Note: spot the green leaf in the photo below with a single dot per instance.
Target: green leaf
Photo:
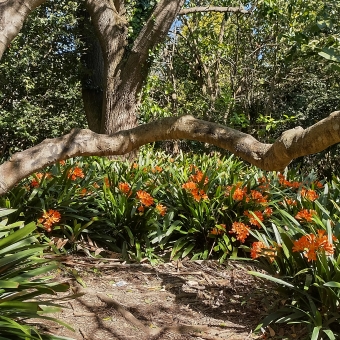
(271, 278)
(315, 334)
(330, 53)
(332, 284)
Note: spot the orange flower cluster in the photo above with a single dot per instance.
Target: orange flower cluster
(157, 169)
(309, 194)
(198, 177)
(312, 244)
(290, 201)
(239, 194)
(75, 173)
(242, 193)
(317, 184)
(241, 230)
(83, 192)
(49, 218)
(252, 219)
(125, 188)
(260, 249)
(283, 181)
(36, 182)
(257, 197)
(161, 209)
(192, 185)
(264, 183)
(306, 215)
(145, 198)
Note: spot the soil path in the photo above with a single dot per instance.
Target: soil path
(178, 301)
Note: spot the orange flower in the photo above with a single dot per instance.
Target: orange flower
(268, 211)
(238, 194)
(252, 219)
(62, 162)
(34, 183)
(145, 198)
(135, 165)
(124, 188)
(290, 201)
(95, 185)
(49, 218)
(241, 230)
(141, 209)
(161, 209)
(256, 249)
(294, 184)
(189, 185)
(199, 194)
(284, 182)
(264, 183)
(319, 185)
(106, 181)
(198, 177)
(309, 194)
(39, 175)
(260, 249)
(83, 192)
(76, 172)
(258, 197)
(218, 231)
(157, 169)
(311, 244)
(306, 215)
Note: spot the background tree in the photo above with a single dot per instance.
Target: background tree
(40, 91)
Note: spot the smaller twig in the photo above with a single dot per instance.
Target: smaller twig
(83, 334)
(83, 314)
(126, 314)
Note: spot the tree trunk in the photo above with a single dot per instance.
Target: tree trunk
(126, 71)
(93, 77)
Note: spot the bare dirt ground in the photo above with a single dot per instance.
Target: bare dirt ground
(178, 301)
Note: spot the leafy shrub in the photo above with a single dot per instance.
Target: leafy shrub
(200, 207)
(21, 282)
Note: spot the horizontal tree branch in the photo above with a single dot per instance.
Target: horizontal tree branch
(291, 144)
(213, 9)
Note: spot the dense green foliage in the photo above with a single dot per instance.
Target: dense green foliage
(24, 281)
(40, 93)
(261, 73)
(210, 207)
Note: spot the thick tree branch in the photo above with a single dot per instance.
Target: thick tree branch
(155, 30)
(213, 9)
(292, 144)
(12, 16)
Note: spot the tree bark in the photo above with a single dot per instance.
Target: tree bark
(126, 71)
(93, 77)
(290, 145)
(12, 17)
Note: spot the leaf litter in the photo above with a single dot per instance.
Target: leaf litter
(188, 300)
